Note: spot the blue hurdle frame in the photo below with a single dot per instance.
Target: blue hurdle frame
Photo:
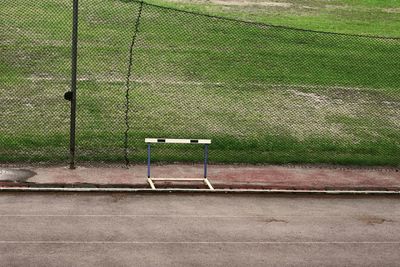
(149, 160)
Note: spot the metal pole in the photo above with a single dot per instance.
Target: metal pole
(74, 60)
(205, 160)
(148, 160)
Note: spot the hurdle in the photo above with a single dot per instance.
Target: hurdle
(205, 142)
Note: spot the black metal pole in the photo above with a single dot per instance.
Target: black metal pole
(74, 60)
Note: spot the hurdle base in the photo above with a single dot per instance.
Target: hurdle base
(204, 180)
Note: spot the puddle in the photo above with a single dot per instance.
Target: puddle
(16, 175)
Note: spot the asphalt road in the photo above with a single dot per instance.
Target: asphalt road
(91, 229)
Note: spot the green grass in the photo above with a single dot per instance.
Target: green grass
(374, 17)
(263, 94)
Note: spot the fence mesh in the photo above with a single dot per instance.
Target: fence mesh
(34, 74)
(262, 93)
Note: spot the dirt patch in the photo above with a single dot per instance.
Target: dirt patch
(49, 77)
(392, 10)
(310, 96)
(251, 3)
(273, 220)
(240, 3)
(116, 197)
(374, 220)
(337, 7)
(310, 7)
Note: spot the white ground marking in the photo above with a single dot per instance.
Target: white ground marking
(199, 242)
(194, 216)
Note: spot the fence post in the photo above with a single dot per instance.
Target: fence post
(74, 54)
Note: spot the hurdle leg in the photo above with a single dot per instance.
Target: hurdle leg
(148, 160)
(205, 160)
(151, 183)
(207, 182)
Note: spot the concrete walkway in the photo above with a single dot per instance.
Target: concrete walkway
(221, 176)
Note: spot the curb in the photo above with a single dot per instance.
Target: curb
(182, 190)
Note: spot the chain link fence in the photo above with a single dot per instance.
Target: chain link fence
(264, 94)
(34, 74)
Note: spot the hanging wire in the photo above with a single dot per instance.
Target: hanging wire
(128, 87)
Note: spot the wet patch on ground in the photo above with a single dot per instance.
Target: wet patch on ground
(273, 220)
(374, 220)
(16, 175)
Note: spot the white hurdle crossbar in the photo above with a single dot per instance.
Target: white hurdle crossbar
(204, 142)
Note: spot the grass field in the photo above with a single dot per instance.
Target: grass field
(263, 94)
(374, 17)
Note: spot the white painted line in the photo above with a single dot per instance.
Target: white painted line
(177, 141)
(177, 179)
(276, 216)
(202, 242)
